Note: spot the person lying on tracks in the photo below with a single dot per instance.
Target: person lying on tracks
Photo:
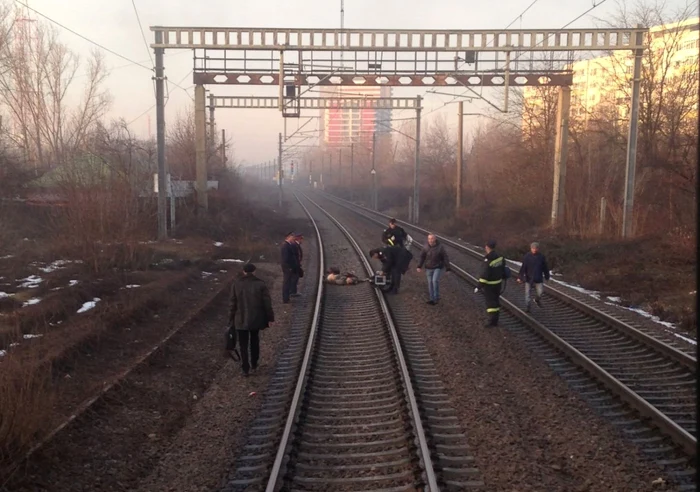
(335, 277)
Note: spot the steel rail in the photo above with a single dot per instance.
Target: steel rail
(405, 375)
(301, 382)
(679, 435)
(683, 358)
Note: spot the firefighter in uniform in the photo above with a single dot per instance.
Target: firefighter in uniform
(394, 235)
(490, 282)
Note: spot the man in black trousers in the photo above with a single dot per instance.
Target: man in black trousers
(251, 311)
(289, 260)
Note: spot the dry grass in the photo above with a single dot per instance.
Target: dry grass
(26, 404)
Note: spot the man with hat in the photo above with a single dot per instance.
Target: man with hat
(290, 265)
(490, 280)
(251, 311)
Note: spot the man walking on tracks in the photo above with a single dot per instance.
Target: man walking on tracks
(290, 265)
(534, 271)
(435, 259)
(298, 238)
(251, 311)
(490, 280)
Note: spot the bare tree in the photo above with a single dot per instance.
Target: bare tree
(40, 92)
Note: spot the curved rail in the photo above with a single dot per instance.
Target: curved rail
(678, 433)
(276, 475)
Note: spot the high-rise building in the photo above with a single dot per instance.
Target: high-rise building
(605, 81)
(343, 126)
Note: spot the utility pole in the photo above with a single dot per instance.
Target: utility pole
(460, 154)
(160, 140)
(352, 161)
(200, 123)
(560, 154)
(630, 171)
(340, 167)
(212, 123)
(416, 169)
(374, 172)
(223, 146)
(279, 170)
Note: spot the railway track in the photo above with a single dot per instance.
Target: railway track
(354, 420)
(654, 376)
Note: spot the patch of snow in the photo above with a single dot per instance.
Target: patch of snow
(218, 244)
(3, 353)
(515, 262)
(56, 323)
(31, 282)
(147, 242)
(232, 260)
(262, 257)
(56, 265)
(4, 295)
(590, 293)
(73, 283)
(206, 274)
(614, 299)
(31, 302)
(15, 344)
(29, 336)
(223, 271)
(692, 293)
(89, 305)
(131, 286)
(6, 257)
(689, 340)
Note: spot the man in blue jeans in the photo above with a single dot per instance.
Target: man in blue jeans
(435, 259)
(533, 272)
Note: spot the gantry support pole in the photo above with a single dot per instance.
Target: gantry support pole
(374, 172)
(416, 169)
(460, 155)
(279, 170)
(352, 163)
(200, 124)
(160, 140)
(560, 154)
(212, 121)
(630, 171)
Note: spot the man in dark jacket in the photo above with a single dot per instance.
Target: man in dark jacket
(534, 271)
(490, 281)
(393, 260)
(290, 265)
(435, 259)
(394, 235)
(298, 238)
(251, 311)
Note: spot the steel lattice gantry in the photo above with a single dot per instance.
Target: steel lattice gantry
(292, 59)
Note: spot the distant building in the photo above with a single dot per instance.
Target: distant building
(343, 126)
(597, 81)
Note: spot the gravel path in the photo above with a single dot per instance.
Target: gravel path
(527, 429)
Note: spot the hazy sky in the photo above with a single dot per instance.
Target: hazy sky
(113, 24)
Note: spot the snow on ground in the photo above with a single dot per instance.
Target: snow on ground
(29, 336)
(206, 274)
(3, 353)
(131, 286)
(15, 344)
(31, 282)
(615, 301)
(31, 302)
(4, 295)
(218, 244)
(87, 306)
(590, 293)
(6, 257)
(73, 283)
(232, 260)
(56, 265)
